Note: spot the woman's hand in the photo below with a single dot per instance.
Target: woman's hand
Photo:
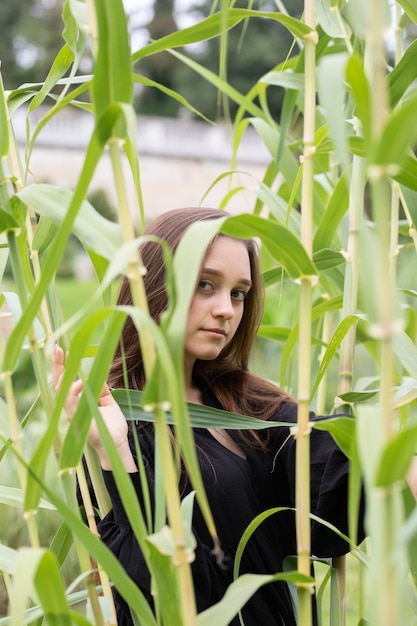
(110, 412)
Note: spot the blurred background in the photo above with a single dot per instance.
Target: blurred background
(181, 154)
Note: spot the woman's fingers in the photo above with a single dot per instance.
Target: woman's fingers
(109, 409)
(58, 365)
(73, 397)
(106, 399)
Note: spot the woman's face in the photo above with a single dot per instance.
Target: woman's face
(217, 307)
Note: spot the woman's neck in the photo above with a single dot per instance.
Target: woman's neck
(193, 394)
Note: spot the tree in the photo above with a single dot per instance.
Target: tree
(254, 48)
(161, 68)
(31, 37)
(269, 43)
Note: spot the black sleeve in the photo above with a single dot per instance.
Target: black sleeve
(329, 481)
(116, 532)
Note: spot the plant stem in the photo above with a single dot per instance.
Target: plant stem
(325, 337)
(304, 368)
(82, 553)
(350, 294)
(350, 297)
(180, 558)
(135, 267)
(85, 494)
(383, 569)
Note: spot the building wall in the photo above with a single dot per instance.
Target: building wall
(180, 160)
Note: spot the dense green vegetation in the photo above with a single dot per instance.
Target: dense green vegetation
(336, 217)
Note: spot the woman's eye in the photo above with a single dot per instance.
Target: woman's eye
(239, 294)
(204, 285)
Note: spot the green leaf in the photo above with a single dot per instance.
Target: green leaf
(398, 135)
(342, 429)
(409, 199)
(77, 433)
(410, 8)
(406, 352)
(285, 78)
(361, 91)
(74, 15)
(4, 122)
(60, 66)
(332, 21)
(357, 396)
(62, 542)
(8, 223)
(396, 457)
(8, 557)
(240, 591)
(332, 93)
(338, 336)
(201, 416)
(214, 25)
(283, 246)
(102, 133)
(169, 599)
(129, 591)
(15, 308)
(112, 74)
(279, 208)
(360, 17)
(407, 175)
(278, 333)
(77, 352)
(12, 496)
(78, 9)
(44, 234)
(403, 74)
(335, 210)
(326, 259)
(23, 589)
(94, 231)
(143, 80)
(288, 165)
(51, 592)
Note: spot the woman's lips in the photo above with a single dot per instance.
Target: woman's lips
(215, 332)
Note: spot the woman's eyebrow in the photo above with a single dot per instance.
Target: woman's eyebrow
(209, 270)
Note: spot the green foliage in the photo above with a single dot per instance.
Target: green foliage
(341, 304)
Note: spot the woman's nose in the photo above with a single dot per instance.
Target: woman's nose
(223, 307)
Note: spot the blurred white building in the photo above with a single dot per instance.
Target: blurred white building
(180, 160)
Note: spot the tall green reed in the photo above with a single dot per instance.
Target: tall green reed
(359, 138)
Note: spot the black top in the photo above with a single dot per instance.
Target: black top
(238, 490)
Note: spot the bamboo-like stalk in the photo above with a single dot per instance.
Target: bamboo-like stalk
(325, 337)
(134, 270)
(381, 212)
(389, 594)
(169, 474)
(350, 297)
(180, 558)
(395, 191)
(85, 494)
(304, 368)
(83, 555)
(350, 294)
(15, 428)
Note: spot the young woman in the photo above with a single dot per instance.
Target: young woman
(245, 473)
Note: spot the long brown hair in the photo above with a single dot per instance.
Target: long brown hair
(227, 376)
